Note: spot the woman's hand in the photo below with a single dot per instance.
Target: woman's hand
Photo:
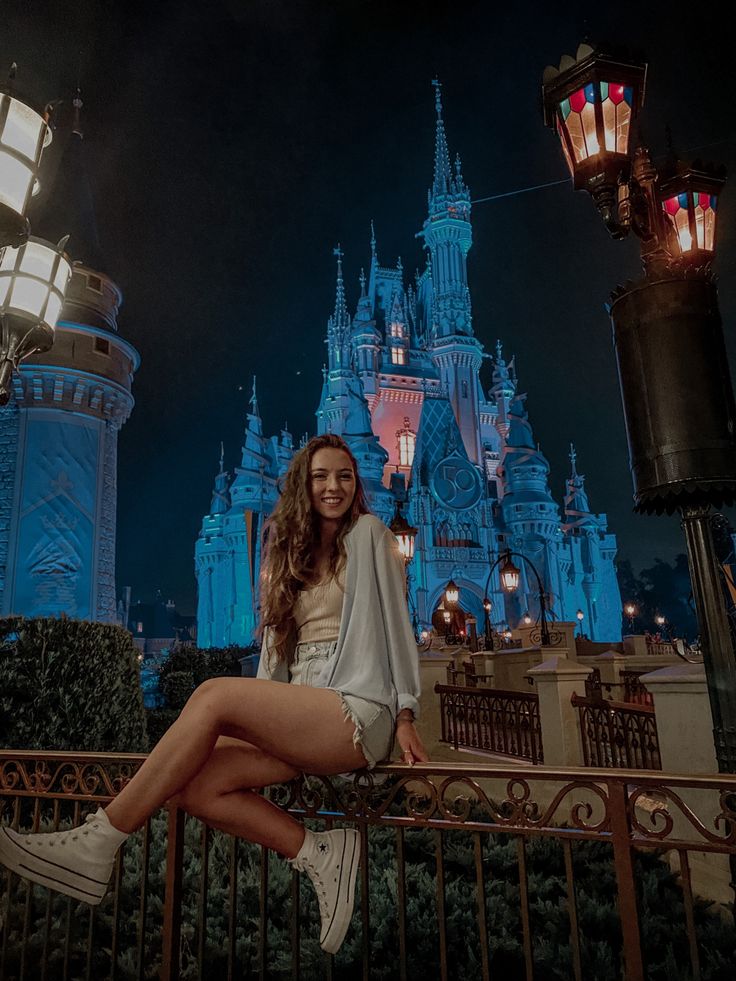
(412, 747)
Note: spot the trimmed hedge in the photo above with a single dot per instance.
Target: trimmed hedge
(70, 685)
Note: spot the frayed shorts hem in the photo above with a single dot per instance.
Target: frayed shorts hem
(374, 727)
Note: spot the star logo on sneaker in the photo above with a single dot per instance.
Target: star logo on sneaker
(323, 846)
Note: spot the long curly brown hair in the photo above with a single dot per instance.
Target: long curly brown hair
(291, 535)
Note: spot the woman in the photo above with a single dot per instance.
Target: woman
(338, 678)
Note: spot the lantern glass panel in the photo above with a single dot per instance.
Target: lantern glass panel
(705, 221)
(22, 129)
(53, 309)
(37, 260)
(63, 273)
(15, 179)
(4, 286)
(7, 259)
(28, 296)
(510, 576)
(563, 141)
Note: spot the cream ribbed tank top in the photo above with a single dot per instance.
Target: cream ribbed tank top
(317, 612)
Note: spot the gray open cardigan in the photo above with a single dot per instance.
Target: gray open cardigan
(376, 655)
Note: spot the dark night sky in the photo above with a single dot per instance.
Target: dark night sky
(232, 145)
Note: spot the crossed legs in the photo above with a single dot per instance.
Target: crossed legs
(233, 736)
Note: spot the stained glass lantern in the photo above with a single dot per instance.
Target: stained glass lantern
(452, 593)
(510, 576)
(24, 133)
(689, 201)
(404, 533)
(591, 102)
(33, 281)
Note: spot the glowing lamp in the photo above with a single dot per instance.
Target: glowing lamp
(510, 576)
(527, 619)
(447, 616)
(660, 620)
(580, 615)
(404, 533)
(33, 281)
(487, 605)
(23, 135)
(452, 593)
(507, 634)
(689, 201)
(591, 102)
(630, 610)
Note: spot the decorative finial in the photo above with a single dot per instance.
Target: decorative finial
(573, 458)
(373, 241)
(253, 399)
(499, 351)
(324, 372)
(222, 456)
(399, 264)
(361, 280)
(11, 77)
(437, 96)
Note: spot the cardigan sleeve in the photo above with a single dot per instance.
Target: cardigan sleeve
(402, 648)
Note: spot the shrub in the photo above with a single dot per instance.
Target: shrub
(69, 685)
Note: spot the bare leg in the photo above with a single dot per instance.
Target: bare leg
(301, 726)
(223, 795)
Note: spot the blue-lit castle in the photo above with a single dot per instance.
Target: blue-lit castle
(402, 386)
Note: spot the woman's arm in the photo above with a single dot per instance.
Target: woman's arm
(402, 648)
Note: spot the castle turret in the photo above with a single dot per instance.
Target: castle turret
(448, 235)
(212, 564)
(366, 346)
(59, 433)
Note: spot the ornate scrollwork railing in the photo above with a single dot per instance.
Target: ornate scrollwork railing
(617, 734)
(138, 929)
(492, 721)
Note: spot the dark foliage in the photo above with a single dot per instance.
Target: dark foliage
(69, 685)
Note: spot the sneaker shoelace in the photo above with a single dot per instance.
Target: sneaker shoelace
(51, 837)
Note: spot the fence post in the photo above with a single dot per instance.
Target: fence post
(172, 896)
(555, 681)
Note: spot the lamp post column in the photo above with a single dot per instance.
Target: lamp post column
(715, 635)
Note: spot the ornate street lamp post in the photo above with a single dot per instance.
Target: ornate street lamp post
(510, 578)
(666, 330)
(33, 274)
(581, 616)
(487, 636)
(630, 611)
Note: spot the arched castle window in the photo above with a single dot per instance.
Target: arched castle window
(398, 355)
(407, 441)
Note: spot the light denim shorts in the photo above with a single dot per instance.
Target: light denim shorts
(374, 724)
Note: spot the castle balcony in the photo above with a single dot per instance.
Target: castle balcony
(466, 871)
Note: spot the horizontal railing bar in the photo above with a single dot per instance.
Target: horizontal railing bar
(608, 705)
(524, 770)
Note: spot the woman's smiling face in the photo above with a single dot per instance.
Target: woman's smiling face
(332, 483)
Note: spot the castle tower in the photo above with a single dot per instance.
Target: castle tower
(367, 346)
(59, 433)
(212, 564)
(448, 235)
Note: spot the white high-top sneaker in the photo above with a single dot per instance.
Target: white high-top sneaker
(78, 862)
(331, 859)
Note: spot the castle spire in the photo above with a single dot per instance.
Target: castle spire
(361, 280)
(220, 496)
(442, 169)
(577, 509)
(374, 254)
(341, 308)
